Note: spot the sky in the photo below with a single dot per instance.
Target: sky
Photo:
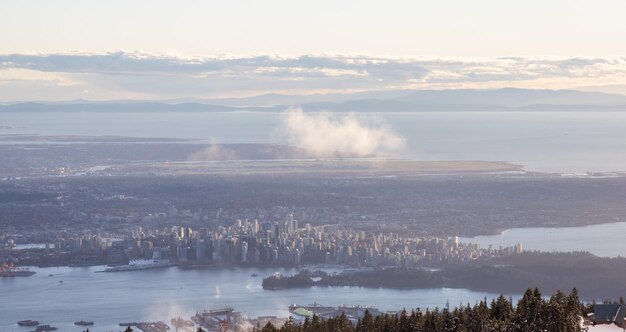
(154, 49)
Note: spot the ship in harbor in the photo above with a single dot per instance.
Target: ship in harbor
(28, 322)
(83, 323)
(45, 328)
(10, 271)
(140, 265)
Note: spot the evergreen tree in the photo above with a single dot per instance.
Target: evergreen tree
(366, 324)
(404, 323)
(560, 313)
(289, 326)
(269, 328)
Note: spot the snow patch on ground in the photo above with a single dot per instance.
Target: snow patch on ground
(604, 328)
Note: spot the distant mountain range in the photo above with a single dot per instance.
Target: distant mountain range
(508, 99)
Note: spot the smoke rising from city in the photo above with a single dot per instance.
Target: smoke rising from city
(214, 152)
(324, 132)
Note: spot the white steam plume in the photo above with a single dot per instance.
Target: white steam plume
(322, 132)
(214, 152)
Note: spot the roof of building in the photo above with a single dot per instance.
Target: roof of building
(303, 312)
(609, 312)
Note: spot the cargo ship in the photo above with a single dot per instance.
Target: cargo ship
(83, 323)
(28, 322)
(140, 265)
(44, 328)
(10, 271)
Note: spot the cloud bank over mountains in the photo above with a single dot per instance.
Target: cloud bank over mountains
(136, 75)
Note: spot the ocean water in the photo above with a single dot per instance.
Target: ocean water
(558, 142)
(604, 240)
(162, 294)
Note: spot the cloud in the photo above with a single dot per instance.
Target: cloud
(323, 132)
(214, 152)
(121, 74)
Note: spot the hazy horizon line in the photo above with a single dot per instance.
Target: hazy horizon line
(138, 75)
(191, 99)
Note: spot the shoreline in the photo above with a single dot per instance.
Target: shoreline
(477, 239)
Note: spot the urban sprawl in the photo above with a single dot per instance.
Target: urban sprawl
(254, 243)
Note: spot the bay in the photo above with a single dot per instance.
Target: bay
(161, 294)
(604, 240)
